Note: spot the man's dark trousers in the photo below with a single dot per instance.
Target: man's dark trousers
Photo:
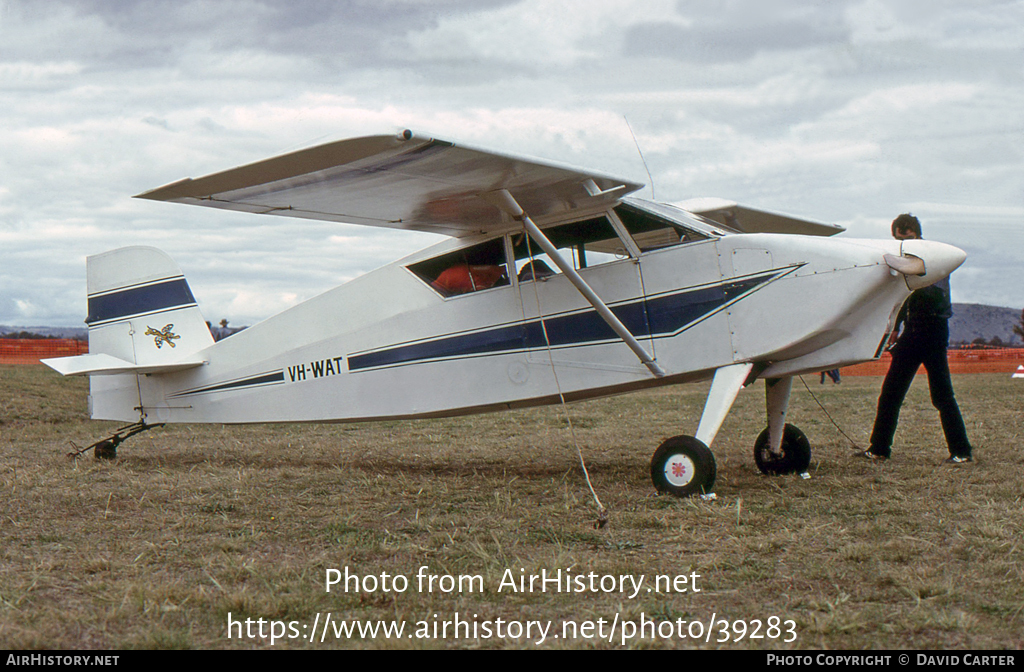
(925, 346)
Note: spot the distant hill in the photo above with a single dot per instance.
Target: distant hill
(971, 321)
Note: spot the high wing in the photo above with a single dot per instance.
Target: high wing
(750, 220)
(402, 182)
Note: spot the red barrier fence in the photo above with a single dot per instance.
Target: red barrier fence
(968, 360)
(31, 350)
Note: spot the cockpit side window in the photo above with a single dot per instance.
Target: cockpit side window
(651, 232)
(464, 271)
(587, 243)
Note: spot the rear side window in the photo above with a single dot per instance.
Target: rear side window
(465, 271)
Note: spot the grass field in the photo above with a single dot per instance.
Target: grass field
(193, 523)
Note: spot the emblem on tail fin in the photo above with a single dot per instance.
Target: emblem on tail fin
(165, 335)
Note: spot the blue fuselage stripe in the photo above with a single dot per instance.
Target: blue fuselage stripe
(658, 316)
(271, 378)
(138, 300)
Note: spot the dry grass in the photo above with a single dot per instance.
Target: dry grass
(153, 550)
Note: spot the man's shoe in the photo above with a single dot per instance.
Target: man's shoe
(958, 459)
(874, 457)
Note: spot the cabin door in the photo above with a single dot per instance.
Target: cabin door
(577, 336)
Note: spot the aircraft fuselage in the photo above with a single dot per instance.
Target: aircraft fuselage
(388, 344)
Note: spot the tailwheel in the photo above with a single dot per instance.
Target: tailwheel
(794, 456)
(106, 450)
(683, 466)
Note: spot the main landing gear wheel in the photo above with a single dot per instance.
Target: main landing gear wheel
(795, 457)
(683, 466)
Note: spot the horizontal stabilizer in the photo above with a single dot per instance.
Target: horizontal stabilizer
(108, 365)
(750, 220)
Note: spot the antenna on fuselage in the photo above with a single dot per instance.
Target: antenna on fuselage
(640, 151)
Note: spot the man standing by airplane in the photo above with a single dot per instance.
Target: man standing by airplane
(925, 319)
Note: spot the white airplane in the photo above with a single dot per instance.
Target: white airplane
(554, 284)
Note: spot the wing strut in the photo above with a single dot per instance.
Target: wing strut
(507, 203)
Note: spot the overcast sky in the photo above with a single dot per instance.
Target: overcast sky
(843, 112)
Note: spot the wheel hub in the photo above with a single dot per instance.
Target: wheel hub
(679, 470)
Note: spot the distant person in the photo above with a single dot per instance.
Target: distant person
(833, 374)
(925, 320)
(223, 331)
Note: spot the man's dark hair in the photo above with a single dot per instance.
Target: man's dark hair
(906, 221)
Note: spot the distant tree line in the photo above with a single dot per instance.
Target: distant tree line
(995, 341)
(26, 335)
(29, 335)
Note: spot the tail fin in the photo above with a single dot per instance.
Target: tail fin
(142, 316)
(141, 308)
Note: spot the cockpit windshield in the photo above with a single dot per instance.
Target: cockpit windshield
(651, 231)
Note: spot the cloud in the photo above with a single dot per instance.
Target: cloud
(717, 32)
(846, 112)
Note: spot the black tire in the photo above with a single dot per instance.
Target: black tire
(796, 453)
(683, 466)
(105, 450)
